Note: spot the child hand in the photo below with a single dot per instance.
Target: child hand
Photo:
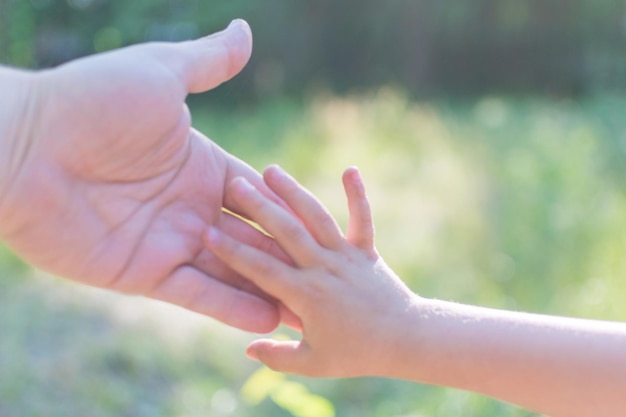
(359, 319)
(351, 305)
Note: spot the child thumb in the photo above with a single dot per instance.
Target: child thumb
(280, 356)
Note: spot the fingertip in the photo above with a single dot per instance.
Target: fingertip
(273, 177)
(209, 61)
(243, 27)
(274, 174)
(260, 326)
(257, 349)
(351, 170)
(360, 227)
(276, 178)
(263, 324)
(281, 356)
(353, 184)
(241, 187)
(251, 352)
(270, 169)
(352, 175)
(194, 290)
(253, 314)
(240, 41)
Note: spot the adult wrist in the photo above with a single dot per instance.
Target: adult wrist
(19, 125)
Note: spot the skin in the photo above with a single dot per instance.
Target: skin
(358, 318)
(103, 179)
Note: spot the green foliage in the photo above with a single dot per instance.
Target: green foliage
(564, 47)
(289, 395)
(505, 203)
(11, 268)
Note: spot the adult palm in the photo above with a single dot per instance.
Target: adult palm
(113, 187)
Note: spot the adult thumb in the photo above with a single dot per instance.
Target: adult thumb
(288, 356)
(205, 63)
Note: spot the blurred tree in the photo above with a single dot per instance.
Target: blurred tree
(567, 47)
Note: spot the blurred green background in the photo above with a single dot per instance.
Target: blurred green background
(492, 138)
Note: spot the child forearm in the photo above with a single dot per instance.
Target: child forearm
(559, 366)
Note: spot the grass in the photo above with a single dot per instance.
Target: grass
(510, 203)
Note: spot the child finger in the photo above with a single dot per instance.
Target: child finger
(360, 225)
(306, 206)
(290, 234)
(268, 273)
(238, 168)
(284, 356)
(235, 226)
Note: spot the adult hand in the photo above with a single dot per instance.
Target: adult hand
(108, 183)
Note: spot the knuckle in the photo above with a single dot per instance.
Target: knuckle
(317, 289)
(267, 269)
(296, 231)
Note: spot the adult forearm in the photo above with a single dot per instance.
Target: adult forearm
(558, 366)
